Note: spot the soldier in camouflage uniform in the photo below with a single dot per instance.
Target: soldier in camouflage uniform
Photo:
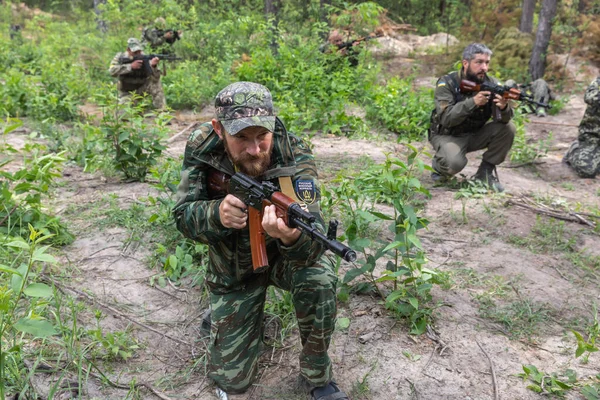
(159, 39)
(584, 153)
(461, 122)
(540, 91)
(246, 136)
(133, 78)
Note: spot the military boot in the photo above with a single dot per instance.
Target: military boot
(205, 324)
(540, 112)
(487, 174)
(436, 176)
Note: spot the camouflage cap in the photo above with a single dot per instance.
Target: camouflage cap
(244, 104)
(134, 45)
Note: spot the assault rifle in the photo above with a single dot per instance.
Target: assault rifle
(506, 92)
(146, 60)
(258, 195)
(350, 43)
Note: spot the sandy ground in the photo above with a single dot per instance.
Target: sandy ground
(467, 356)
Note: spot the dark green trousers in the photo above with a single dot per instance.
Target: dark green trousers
(451, 151)
(237, 319)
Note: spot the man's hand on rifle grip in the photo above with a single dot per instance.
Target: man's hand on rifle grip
(232, 212)
(501, 102)
(137, 64)
(276, 227)
(481, 98)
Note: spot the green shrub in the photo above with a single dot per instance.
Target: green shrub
(311, 90)
(403, 109)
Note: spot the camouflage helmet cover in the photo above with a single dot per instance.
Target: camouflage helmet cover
(160, 23)
(244, 104)
(134, 45)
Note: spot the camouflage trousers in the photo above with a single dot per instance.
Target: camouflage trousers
(153, 88)
(541, 94)
(584, 155)
(451, 151)
(237, 324)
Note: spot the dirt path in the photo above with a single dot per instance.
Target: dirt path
(489, 253)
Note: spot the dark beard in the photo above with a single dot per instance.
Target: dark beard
(472, 77)
(253, 166)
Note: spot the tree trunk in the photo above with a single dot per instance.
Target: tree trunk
(324, 17)
(537, 63)
(323, 10)
(527, 16)
(271, 13)
(101, 24)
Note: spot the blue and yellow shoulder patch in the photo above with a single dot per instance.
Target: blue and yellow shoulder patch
(441, 84)
(305, 190)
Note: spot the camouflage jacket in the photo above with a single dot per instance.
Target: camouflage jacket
(590, 123)
(197, 215)
(456, 112)
(129, 79)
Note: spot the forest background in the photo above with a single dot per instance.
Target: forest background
(64, 334)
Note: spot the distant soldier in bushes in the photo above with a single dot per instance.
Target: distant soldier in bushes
(336, 40)
(466, 122)
(135, 78)
(159, 39)
(541, 93)
(584, 154)
(15, 33)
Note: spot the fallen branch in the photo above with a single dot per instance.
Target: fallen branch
(553, 123)
(414, 394)
(522, 164)
(435, 239)
(554, 214)
(111, 309)
(494, 382)
(8, 215)
(104, 378)
(172, 138)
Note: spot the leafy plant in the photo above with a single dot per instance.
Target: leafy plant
(402, 108)
(21, 312)
(588, 346)
(312, 90)
(117, 345)
(522, 151)
(551, 384)
(135, 142)
(391, 183)
(21, 192)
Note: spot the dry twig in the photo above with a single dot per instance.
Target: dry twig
(111, 309)
(554, 213)
(494, 382)
(190, 126)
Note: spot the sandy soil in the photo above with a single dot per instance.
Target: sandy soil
(452, 362)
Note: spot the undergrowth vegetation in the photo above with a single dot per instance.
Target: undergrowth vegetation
(59, 63)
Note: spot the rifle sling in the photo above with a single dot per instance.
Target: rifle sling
(285, 183)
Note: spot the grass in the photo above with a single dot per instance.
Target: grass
(499, 300)
(547, 235)
(520, 319)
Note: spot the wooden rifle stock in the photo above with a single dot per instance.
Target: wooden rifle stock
(258, 246)
(257, 196)
(506, 92)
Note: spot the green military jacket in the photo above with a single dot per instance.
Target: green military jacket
(197, 214)
(590, 123)
(130, 79)
(456, 112)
